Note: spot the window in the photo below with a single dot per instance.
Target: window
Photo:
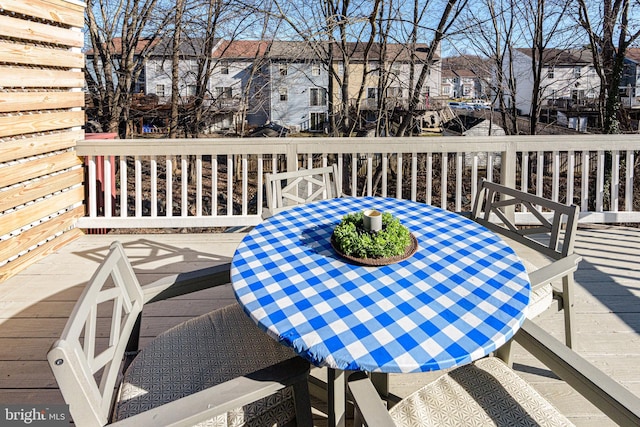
(191, 90)
(550, 73)
(159, 67)
(317, 96)
(372, 93)
(160, 90)
(284, 94)
(315, 70)
(395, 69)
(283, 69)
(394, 92)
(224, 67)
(224, 92)
(316, 121)
(577, 72)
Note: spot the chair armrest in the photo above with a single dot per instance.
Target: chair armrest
(368, 404)
(618, 403)
(221, 398)
(555, 270)
(184, 283)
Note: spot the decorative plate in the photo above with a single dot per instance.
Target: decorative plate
(409, 251)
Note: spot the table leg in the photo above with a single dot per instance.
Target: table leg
(381, 383)
(336, 397)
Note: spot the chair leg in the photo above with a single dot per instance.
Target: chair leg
(302, 403)
(567, 306)
(504, 353)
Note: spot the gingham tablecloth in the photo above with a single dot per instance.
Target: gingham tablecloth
(460, 296)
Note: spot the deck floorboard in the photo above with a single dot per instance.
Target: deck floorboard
(35, 304)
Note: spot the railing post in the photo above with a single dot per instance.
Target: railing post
(508, 174)
(292, 157)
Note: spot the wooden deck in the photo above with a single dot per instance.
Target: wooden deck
(34, 307)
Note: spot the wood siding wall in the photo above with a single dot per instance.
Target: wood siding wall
(41, 118)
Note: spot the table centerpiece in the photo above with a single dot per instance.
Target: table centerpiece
(362, 238)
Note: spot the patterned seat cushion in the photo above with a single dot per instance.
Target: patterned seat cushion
(200, 353)
(484, 393)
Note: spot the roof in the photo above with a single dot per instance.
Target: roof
(240, 49)
(559, 57)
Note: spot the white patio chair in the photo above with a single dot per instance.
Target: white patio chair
(286, 189)
(218, 366)
(547, 252)
(489, 393)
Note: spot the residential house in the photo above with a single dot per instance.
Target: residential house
(466, 77)
(569, 81)
(237, 84)
(382, 79)
(298, 81)
(630, 82)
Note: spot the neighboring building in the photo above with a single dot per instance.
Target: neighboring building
(253, 83)
(465, 77)
(630, 83)
(237, 84)
(298, 82)
(569, 80)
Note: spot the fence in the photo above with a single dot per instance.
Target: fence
(219, 182)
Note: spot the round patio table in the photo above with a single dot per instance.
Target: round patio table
(462, 295)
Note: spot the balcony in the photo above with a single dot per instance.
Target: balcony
(64, 199)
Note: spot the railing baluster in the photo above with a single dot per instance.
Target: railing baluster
(459, 167)
(260, 184)
(124, 206)
(198, 185)
(385, 177)
(399, 177)
(108, 208)
(184, 182)
(600, 182)
(369, 174)
(555, 166)
(540, 174)
(628, 188)
(571, 164)
(354, 174)
(214, 185)
(429, 185)
(245, 184)
(92, 183)
(230, 185)
(584, 203)
(169, 185)
(615, 180)
(414, 176)
(443, 180)
(154, 187)
(138, 185)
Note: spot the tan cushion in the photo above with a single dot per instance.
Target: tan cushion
(201, 353)
(485, 393)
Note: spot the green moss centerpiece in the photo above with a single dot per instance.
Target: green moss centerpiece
(353, 241)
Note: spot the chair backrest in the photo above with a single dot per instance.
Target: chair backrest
(287, 189)
(490, 209)
(86, 359)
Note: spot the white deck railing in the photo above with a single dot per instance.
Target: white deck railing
(596, 172)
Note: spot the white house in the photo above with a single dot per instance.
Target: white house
(568, 79)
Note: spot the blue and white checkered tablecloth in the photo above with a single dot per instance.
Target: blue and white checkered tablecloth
(460, 296)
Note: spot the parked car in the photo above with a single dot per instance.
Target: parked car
(460, 106)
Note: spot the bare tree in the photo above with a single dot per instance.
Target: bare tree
(175, 68)
(610, 30)
(447, 17)
(543, 20)
(121, 36)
